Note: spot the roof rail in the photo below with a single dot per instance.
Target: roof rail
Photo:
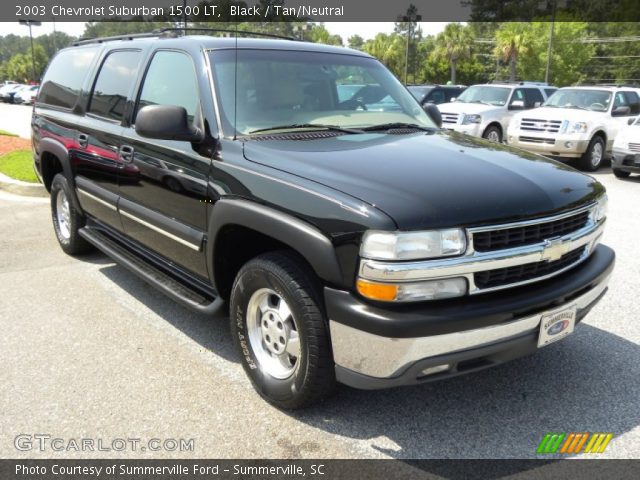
(223, 30)
(520, 82)
(173, 32)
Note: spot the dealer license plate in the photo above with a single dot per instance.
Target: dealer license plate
(556, 325)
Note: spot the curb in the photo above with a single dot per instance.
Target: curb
(18, 187)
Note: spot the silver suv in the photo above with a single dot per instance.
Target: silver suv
(486, 110)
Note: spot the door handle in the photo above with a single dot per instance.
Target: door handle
(126, 153)
(83, 140)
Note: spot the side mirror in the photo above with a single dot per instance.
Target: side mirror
(453, 99)
(434, 113)
(537, 104)
(167, 122)
(631, 121)
(621, 111)
(516, 105)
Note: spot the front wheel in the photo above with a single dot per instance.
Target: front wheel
(493, 134)
(592, 158)
(280, 331)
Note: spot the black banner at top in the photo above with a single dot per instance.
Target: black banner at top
(321, 10)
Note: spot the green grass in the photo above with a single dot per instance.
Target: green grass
(8, 134)
(18, 165)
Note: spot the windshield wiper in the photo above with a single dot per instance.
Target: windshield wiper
(390, 126)
(296, 126)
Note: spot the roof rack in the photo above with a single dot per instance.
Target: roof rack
(520, 82)
(172, 32)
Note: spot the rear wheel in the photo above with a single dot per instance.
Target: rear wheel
(620, 173)
(493, 134)
(280, 331)
(66, 219)
(592, 158)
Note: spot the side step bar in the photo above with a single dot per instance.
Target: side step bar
(157, 278)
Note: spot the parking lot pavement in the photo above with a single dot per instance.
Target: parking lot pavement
(16, 119)
(88, 350)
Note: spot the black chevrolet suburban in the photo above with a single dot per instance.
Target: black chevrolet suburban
(353, 245)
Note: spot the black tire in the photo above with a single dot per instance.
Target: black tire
(621, 173)
(67, 233)
(491, 133)
(588, 162)
(313, 377)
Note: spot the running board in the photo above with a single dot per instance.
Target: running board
(152, 275)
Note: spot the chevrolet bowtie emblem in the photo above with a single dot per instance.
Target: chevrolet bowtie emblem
(554, 249)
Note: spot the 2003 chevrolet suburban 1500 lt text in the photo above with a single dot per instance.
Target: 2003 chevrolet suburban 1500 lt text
(366, 247)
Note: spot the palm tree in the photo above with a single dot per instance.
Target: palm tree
(453, 44)
(388, 49)
(512, 41)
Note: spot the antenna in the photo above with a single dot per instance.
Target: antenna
(235, 90)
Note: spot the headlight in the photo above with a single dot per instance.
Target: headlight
(600, 211)
(576, 127)
(379, 245)
(469, 119)
(414, 291)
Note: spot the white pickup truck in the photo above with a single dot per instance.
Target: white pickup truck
(486, 110)
(576, 123)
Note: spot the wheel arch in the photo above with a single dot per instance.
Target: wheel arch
(54, 159)
(239, 230)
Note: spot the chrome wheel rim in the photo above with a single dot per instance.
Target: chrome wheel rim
(596, 154)
(493, 136)
(63, 215)
(273, 333)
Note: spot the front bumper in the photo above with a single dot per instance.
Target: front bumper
(378, 347)
(473, 129)
(625, 160)
(565, 146)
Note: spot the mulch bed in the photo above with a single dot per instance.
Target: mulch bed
(9, 144)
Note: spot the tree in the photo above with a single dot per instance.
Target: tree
(389, 49)
(453, 44)
(355, 41)
(513, 39)
(319, 34)
(20, 67)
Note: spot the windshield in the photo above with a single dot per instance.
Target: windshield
(580, 98)
(277, 88)
(485, 94)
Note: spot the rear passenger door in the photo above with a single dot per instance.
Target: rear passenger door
(164, 209)
(98, 161)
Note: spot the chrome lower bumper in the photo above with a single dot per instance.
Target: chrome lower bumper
(384, 357)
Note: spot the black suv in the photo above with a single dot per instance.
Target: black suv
(360, 246)
(436, 94)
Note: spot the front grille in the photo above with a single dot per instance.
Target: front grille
(634, 147)
(548, 141)
(523, 273)
(449, 117)
(529, 234)
(540, 125)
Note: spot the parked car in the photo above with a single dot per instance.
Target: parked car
(365, 247)
(436, 94)
(576, 123)
(626, 150)
(26, 95)
(8, 91)
(486, 110)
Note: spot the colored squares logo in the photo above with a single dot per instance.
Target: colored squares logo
(574, 443)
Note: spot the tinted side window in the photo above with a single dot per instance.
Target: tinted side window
(549, 91)
(64, 77)
(633, 101)
(171, 80)
(531, 96)
(436, 96)
(115, 79)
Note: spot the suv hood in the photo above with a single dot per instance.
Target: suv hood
(432, 180)
(469, 108)
(570, 114)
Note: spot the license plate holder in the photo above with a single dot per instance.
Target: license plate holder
(556, 325)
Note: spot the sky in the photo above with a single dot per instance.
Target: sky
(366, 30)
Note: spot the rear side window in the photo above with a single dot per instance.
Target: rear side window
(64, 78)
(531, 96)
(115, 79)
(171, 80)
